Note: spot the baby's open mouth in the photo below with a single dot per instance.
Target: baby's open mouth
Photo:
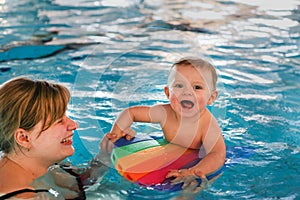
(187, 104)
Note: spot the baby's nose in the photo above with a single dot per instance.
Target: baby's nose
(187, 91)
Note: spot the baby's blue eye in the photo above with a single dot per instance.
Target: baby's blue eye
(178, 85)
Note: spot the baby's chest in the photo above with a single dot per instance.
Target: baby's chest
(189, 137)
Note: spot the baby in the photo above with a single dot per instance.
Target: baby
(185, 120)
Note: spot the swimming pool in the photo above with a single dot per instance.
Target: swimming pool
(117, 54)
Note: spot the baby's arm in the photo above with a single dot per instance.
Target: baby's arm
(124, 121)
(213, 161)
(215, 149)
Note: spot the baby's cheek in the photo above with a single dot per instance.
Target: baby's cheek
(174, 102)
(201, 103)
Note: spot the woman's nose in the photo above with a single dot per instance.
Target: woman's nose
(72, 125)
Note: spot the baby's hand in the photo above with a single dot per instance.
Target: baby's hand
(188, 178)
(128, 133)
(108, 141)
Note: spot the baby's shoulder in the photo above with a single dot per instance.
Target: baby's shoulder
(168, 110)
(208, 122)
(161, 112)
(208, 114)
(161, 108)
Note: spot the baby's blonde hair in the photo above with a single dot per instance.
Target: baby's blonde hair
(24, 103)
(201, 64)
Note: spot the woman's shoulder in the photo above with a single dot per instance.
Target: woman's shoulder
(28, 194)
(11, 178)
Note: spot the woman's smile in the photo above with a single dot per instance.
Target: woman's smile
(68, 140)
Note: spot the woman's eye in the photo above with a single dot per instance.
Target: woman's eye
(59, 121)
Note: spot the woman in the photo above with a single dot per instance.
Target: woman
(35, 133)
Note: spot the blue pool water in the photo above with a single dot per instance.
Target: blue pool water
(113, 54)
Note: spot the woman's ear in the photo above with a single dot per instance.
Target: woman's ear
(22, 138)
(213, 97)
(167, 91)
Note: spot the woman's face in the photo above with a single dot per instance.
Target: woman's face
(55, 143)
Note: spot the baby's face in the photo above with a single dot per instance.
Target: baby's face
(190, 90)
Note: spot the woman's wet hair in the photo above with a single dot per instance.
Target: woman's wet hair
(24, 103)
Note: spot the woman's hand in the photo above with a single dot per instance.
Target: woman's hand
(107, 142)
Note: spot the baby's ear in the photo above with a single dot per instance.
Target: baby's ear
(213, 97)
(167, 91)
